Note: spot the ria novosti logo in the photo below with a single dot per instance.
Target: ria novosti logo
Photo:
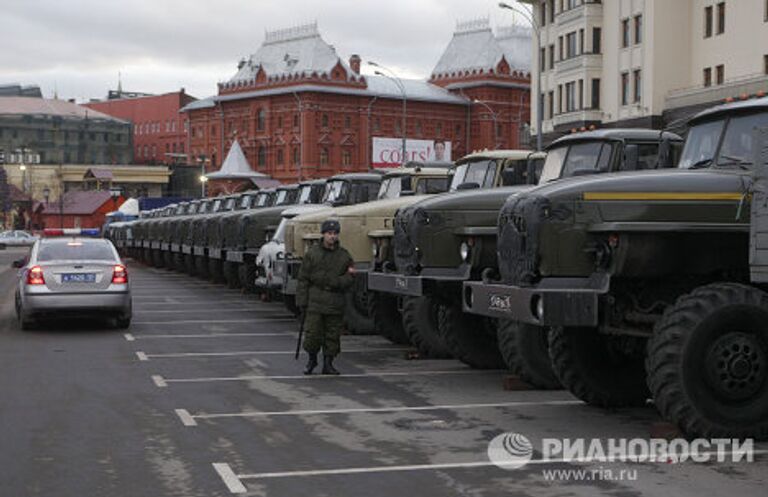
(510, 451)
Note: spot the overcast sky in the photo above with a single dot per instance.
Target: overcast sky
(78, 46)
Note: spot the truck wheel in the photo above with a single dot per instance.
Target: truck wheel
(201, 267)
(420, 323)
(470, 339)
(357, 322)
(230, 274)
(290, 303)
(169, 259)
(157, 259)
(178, 262)
(189, 264)
(215, 270)
(386, 317)
(246, 272)
(708, 362)
(525, 349)
(601, 370)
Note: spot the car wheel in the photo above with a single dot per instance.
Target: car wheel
(601, 370)
(419, 321)
(707, 362)
(525, 350)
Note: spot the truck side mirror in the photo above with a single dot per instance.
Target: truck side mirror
(470, 185)
(665, 154)
(631, 157)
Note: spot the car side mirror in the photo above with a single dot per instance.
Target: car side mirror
(631, 157)
(470, 185)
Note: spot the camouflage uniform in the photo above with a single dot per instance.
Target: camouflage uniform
(323, 281)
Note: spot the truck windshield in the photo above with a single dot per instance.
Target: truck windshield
(391, 187)
(701, 144)
(432, 185)
(567, 161)
(230, 204)
(305, 195)
(553, 164)
(262, 200)
(737, 148)
(334, 191)
(245, 202)
(282, 195)
(481, 172)
(216, 206)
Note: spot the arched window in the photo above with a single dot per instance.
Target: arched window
(324, 157)
(262, 156)
(260, 118)
(280, 159)
(346, 158)
(296, 156)
(325, 121)
(347, 122)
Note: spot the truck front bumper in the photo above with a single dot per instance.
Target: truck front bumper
(551, 302)
(416, 286)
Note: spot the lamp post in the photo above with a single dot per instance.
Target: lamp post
(203, 178)
(399, 83)
(495, 122)
(46, 196)
(539, 101)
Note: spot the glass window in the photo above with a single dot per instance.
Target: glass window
(390, 188)
(624, 88)
(334, 190)
(720, 74)
(647, 156)
(67, 250)
(638, 29)
(305, 194)
(737, 143)
(282, 195)
(582, 157)
(707, 21)
(432, 185)
(721, 18)
(245, 201)
(553, 164)
(700, 144)
(638, 84)
(480, 172)
(625, 33)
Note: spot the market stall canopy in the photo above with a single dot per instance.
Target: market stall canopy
(130, 207)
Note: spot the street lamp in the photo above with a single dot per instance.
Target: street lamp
(399, 83)
(203, 181)
(495, 122)
(539, 101)
(201, 159)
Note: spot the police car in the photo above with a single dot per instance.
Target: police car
(72, 273)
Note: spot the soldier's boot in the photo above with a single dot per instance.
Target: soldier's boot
(328, 366)
(311, 363)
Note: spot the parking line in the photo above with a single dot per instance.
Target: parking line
(357, 410)
(213, 335)
(218, 321)
(229, 477)
(129, 337)
(142, 356)
(317, 377)
(159, 381)
(277, 314)
(185, 417)
(262, 352)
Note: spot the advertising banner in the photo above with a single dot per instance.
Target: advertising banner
(387, 152)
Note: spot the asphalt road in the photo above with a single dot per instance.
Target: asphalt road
(202, 397)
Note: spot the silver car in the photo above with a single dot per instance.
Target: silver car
(73, 276)
(16, 238)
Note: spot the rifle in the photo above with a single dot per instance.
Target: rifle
(302, 318)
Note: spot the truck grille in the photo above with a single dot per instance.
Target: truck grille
(405, 250)
(518, 238)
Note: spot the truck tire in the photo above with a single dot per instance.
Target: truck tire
(470, 339)
(216, 270)
(386, 317)
(178, 262)
(246, 273)
(707, 362)
(189, 264)
(357, 322)
(201, 267)
(158, 260)
(230, 274)
(169, 259)
(525, 350)
(594, 368)
(420, 324)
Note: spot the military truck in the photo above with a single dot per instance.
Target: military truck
(652, 284)
(393, 276)
(363, 226)
(166, 235)
(177, 234)
(229, 231)
(209, 236)
(197, 235)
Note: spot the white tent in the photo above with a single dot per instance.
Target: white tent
(130, 207)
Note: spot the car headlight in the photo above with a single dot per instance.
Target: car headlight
(464, 251)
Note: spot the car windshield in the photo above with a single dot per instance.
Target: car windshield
(75, 250)
(737, 145)
(391, 187)
(700, 146)
(480, 172)
(334, 191)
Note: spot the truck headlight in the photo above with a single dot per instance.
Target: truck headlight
(464, 251)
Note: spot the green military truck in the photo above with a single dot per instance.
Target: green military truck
(363, 227)
(177, 229)
(404, 276)
(653, 284)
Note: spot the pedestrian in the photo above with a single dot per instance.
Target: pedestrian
(326, 274)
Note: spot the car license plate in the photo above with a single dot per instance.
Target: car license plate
(78, 278)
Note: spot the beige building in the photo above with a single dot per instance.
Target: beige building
(644, 63)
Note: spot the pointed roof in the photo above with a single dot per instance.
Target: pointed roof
(235, 166)
(298, 50)
(474, 47)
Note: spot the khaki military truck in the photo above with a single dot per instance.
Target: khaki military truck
(397, 287)
(363, 227)
(653, 284)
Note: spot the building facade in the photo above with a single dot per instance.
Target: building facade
(159, 135)
(299, 111)
(643, 63)
(51, 131)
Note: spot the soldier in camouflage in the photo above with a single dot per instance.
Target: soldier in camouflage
(326, 274)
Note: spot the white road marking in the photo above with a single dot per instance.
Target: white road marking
(215, 335)
(267, 352)
(316, 377)
(316, 412)
(129, 337)
(186, 418)
(159, 381)
(217, 321)
(276, 314)
(142, 356)
(229, 477)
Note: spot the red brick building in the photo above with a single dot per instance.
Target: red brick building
(78, 209)
(299, 111)
(158, 127)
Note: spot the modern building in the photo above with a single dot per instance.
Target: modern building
(299, 111)
(643, 63)
(159, 132)
(51, 131)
